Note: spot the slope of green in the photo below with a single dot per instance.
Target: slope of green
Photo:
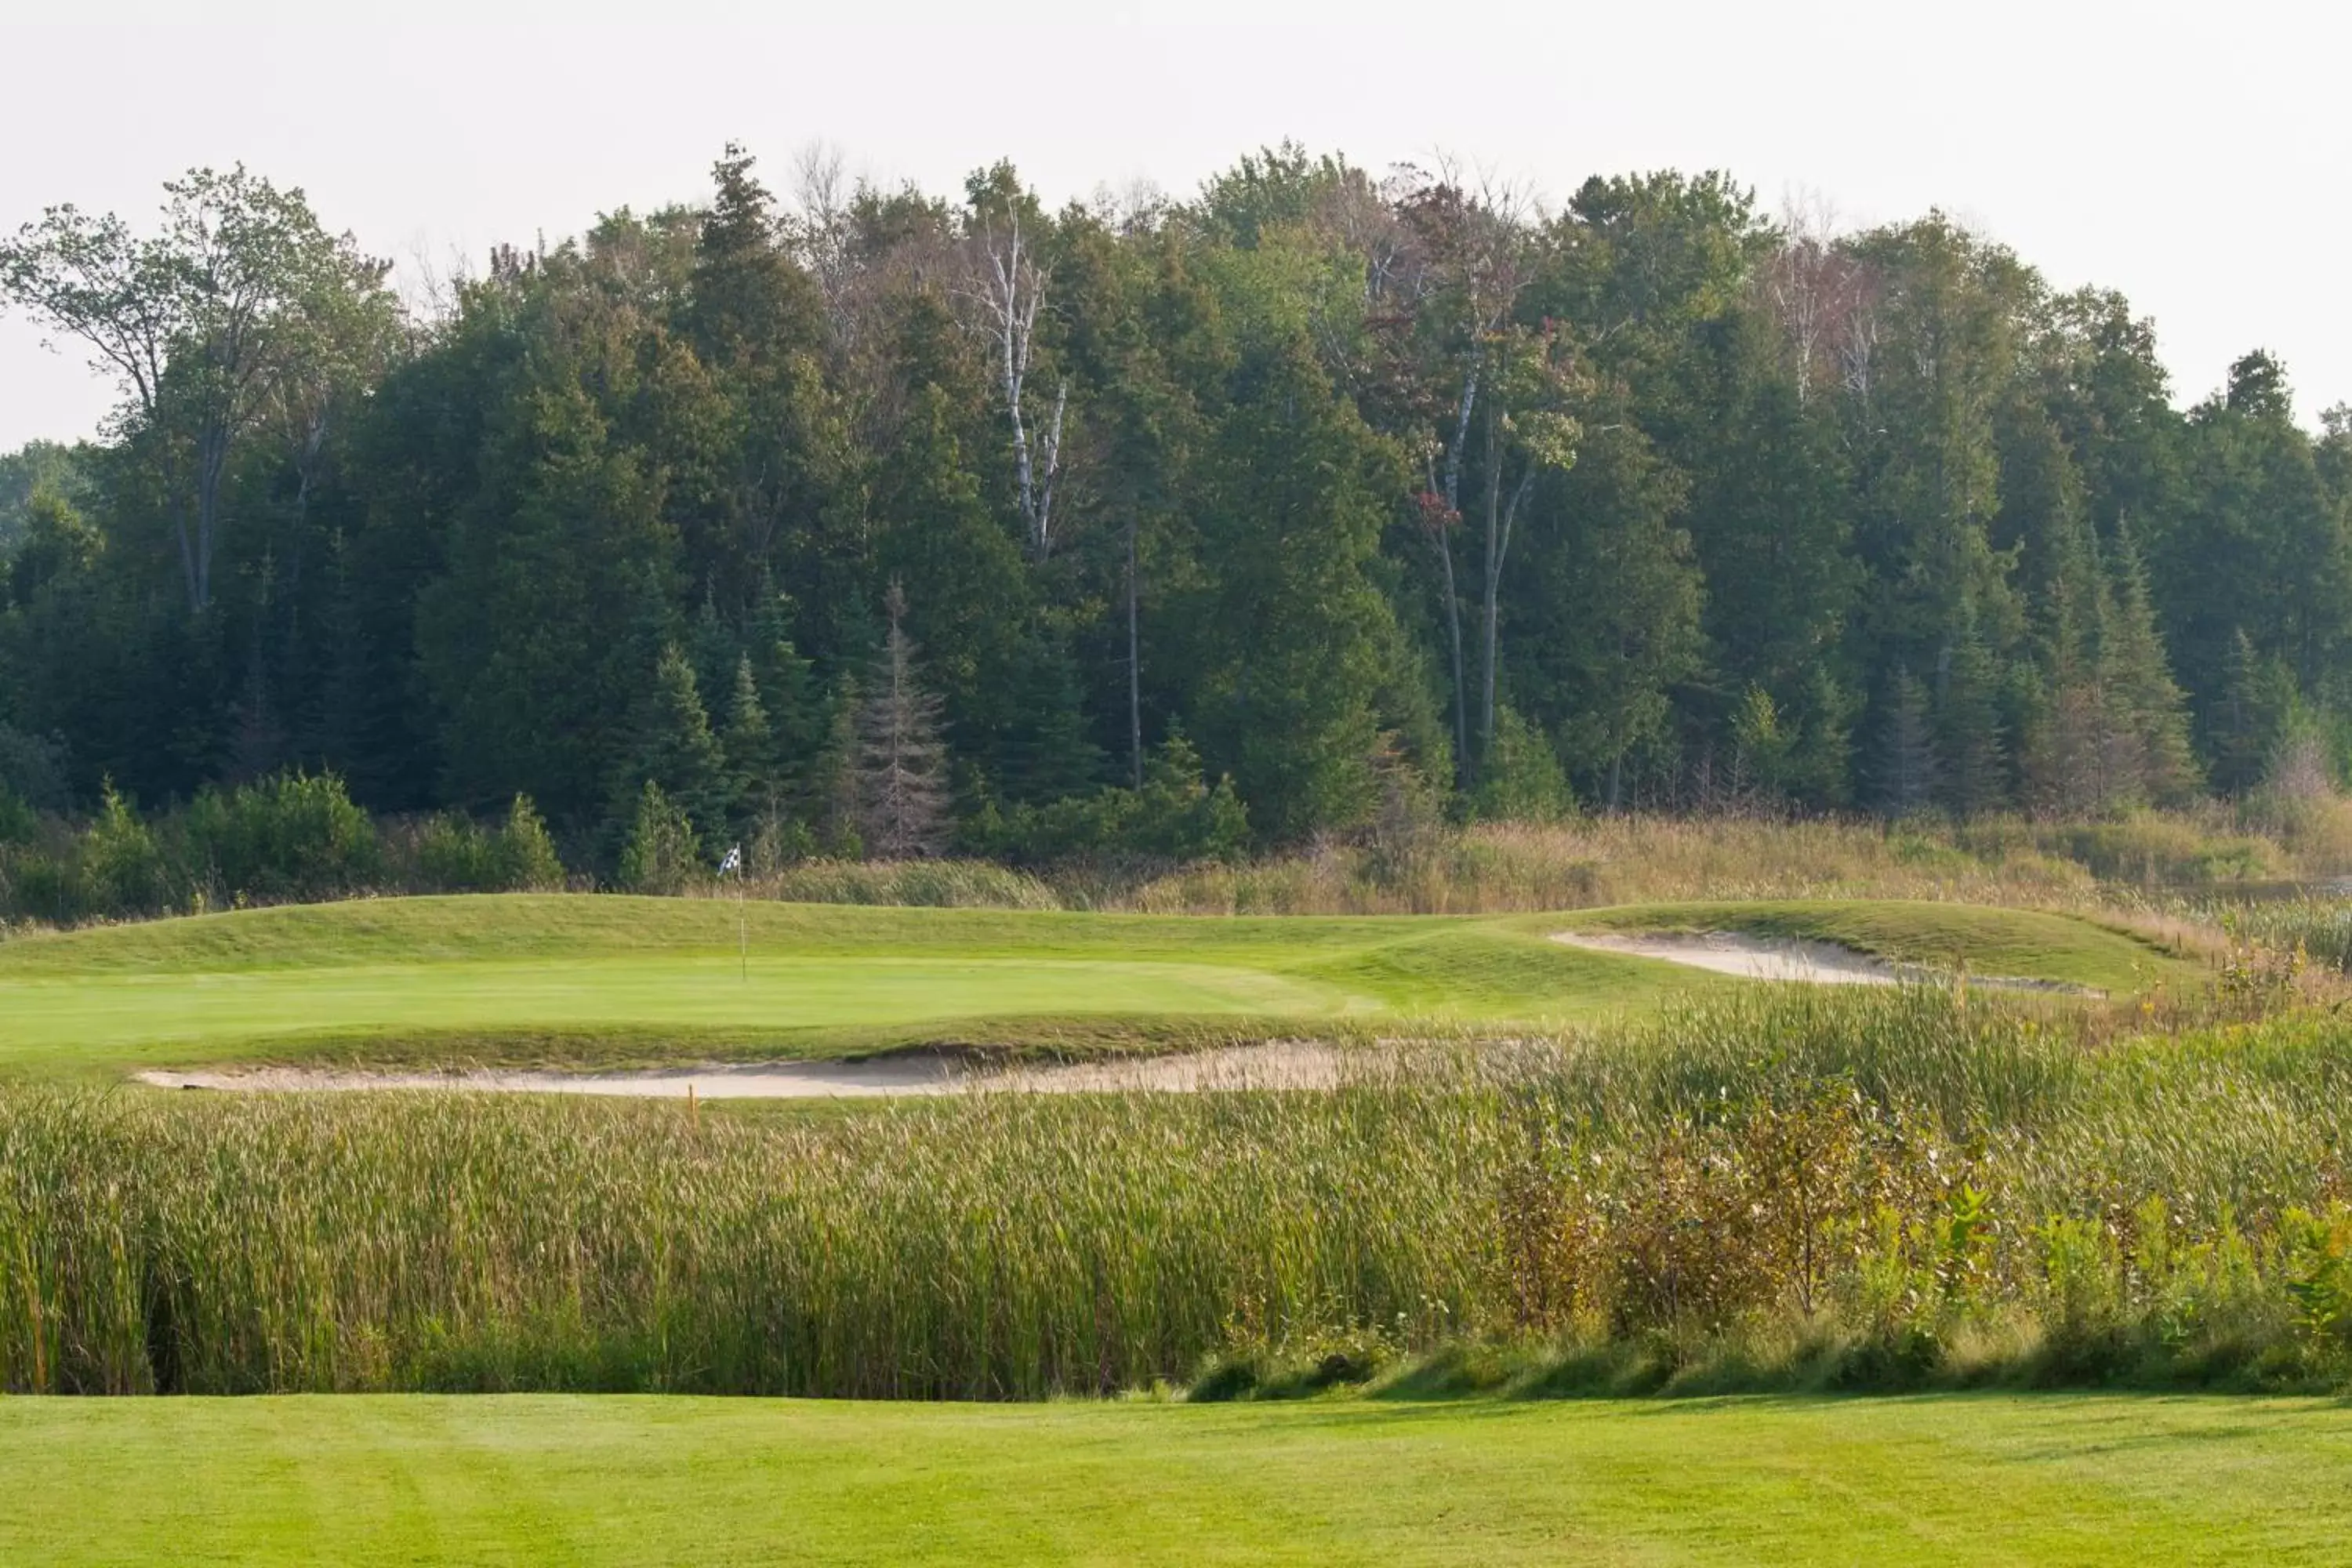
(486, 1480)
(602, 978)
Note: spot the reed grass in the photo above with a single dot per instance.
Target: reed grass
(1911, 1185)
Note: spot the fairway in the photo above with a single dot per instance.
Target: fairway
(609, 980)
(495, 1479)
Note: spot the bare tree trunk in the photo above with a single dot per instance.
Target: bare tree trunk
(1011, 295)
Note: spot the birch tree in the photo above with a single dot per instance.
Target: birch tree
(1006, 287)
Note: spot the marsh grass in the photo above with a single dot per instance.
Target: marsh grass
(1776, 1186)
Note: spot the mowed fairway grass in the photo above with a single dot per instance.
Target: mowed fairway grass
(1969, 1479)
(601, 979)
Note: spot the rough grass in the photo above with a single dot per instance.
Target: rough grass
(1972, 1480)
(606, 979)
(1779, 1189)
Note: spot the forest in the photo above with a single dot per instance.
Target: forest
(861, 520)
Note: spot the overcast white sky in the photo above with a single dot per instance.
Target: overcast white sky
(2193, 156)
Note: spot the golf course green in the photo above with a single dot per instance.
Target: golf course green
(609, 980)
(486, 1480)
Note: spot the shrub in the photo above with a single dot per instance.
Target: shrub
(121, 865)
(291, 835)
(1521, 778)
(1176, 816)
(18, 821)
(524, 854)
(661, 854)
(454, 856)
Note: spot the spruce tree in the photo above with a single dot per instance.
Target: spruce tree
(1905, 774)
(749, 746)
(798, 720)
(1969, 751)
(712, 648)
(2258, 704)
(2148, 708)
(670, 744)
(901, 764)
(2062, 743)
(661, 853)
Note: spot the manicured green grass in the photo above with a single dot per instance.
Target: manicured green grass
(614, 979)
(481, 1479)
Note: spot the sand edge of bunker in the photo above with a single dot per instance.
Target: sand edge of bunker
(1272, 1065)
(1801, 959)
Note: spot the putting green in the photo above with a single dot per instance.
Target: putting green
(476, 1479)
(596, 978)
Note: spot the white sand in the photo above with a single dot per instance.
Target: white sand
(1281, 1065)
(1791, 958)
(1752, 957)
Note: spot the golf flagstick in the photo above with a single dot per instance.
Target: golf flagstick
(734, 862)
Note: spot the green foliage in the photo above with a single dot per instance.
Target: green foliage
(661, 853)
(1177, 817)
(291, 835)
(1521, 778)
(524, 854)
(670, 744)
(454, 854)
(1623, 475)
(122, 867)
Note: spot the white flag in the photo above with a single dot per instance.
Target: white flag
(734, 862)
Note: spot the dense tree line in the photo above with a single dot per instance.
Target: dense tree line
(875, 520)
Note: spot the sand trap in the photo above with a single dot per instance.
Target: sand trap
(1281, 1065)
(1752, 957)
(1787, 958)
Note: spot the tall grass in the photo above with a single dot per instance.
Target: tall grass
(120, 869)
(1893, 1181)
(1505, 867)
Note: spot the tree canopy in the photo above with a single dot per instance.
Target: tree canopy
(1319, 477)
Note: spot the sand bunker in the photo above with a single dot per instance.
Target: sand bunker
(1752, 957)
(1787, 958)
(1290, 1065)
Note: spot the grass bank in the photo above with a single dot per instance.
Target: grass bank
(575, 978)
(1974, 1479)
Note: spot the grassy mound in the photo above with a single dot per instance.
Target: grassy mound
(606, 979)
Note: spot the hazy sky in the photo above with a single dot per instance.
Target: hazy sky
(2194, 157)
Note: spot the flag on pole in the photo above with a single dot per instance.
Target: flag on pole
(734, 862)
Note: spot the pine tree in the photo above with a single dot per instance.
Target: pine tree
(2063, 747)
(901, 763)
(1905, 774)
(712, 648)
(797, 718)
(2258, 706)
(2148, 708)
(1969, 751)
(670, 744)
(661, 853)
(750, 745)
(525, 855)
(1820, 767)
